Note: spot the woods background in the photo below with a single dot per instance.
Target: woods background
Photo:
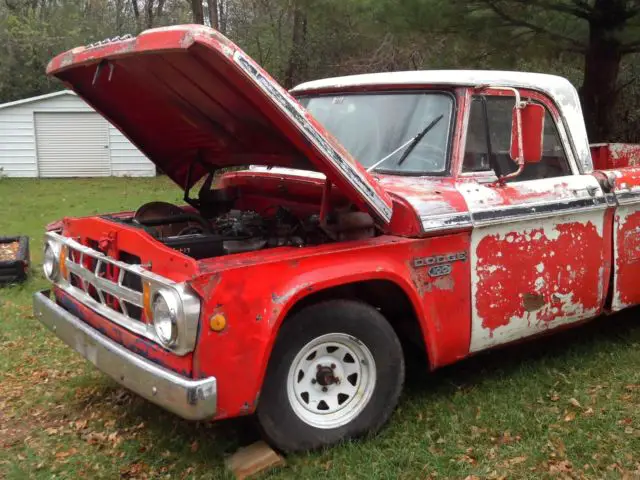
(592, 42)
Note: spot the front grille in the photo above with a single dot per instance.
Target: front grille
(110, 283)
(115, 289)
(132, 281)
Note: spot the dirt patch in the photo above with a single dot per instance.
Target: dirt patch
(9, 251)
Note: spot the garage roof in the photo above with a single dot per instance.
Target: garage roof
(35, 99)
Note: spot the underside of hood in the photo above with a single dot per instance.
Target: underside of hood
(192, 101)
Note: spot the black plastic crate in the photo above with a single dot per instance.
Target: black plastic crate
(15, 270)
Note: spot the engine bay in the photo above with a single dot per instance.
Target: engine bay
(227, 230)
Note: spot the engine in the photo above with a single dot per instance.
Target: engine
(231, 232)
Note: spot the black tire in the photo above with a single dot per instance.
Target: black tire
(281, 425)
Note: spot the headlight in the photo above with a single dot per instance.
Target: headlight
(50, 262)
(165, 317)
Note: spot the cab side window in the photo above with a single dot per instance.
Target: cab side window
(489, 140)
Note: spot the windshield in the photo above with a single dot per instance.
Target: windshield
(373, 126)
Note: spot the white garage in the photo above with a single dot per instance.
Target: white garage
(59, 135)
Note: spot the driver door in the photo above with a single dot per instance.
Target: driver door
(537, 245)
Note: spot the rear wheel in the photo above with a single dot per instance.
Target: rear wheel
(336, 372)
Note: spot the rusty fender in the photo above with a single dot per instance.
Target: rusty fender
(256, 294)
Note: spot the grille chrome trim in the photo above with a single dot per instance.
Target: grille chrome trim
(190, 306)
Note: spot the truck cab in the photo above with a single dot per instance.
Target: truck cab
(325, 228)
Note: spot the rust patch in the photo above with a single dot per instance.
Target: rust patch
(187, 40)
(275, 312)
(417, 280)
(212, 283)
(281, 299)
(532, 302)
(444, 283)
(67, 59)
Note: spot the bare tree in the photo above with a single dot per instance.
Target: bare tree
(223, 15)
(197, 11)
(296, 66)
(609, 26)
(149, 12)
(212, 7)
(119, 7)
(136, 12)
(160, 10)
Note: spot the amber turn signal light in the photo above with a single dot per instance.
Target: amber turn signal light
(146, 301)
(218, 322)
(62, 264)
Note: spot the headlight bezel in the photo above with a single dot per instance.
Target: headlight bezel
(185, 306)
(173, 307)
(54, 248)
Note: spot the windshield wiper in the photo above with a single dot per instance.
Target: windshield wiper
(417, 138)
(410, 144)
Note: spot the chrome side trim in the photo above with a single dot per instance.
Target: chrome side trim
(190, 305)
(187, 398)
(445, 222)
(627, 197)
(519, 213)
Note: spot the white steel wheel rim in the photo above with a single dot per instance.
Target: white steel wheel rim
(331, 380)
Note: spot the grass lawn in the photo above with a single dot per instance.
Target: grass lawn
(565, 406)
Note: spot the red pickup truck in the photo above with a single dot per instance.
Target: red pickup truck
(326, 228)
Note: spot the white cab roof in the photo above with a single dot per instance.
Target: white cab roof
(559, 89)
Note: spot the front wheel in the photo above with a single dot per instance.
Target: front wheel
(336, 372)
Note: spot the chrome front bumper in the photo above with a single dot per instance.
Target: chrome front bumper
(187, 398)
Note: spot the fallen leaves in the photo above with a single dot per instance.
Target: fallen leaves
(575, 403)
(134, 470)
(562, 466)
(515, 461)
(9, 251)
(65, 454)
(80, 424)
(506, 438)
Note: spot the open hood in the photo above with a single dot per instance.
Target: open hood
(191, 100)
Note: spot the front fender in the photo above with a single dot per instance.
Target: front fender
(256, 296)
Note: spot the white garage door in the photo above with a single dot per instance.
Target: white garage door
(72, 144)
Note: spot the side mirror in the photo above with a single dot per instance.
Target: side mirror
(527, 133)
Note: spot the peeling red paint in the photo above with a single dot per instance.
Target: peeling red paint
(561, 274)
(615, 155)
(627, 271)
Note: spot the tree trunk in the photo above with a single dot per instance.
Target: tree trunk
(149, 9)
(160, 11)
(222, 15)
(297, 64)
(601, 68)
(136, 12)
(212, 6)
(198, 11)
(118, 7)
